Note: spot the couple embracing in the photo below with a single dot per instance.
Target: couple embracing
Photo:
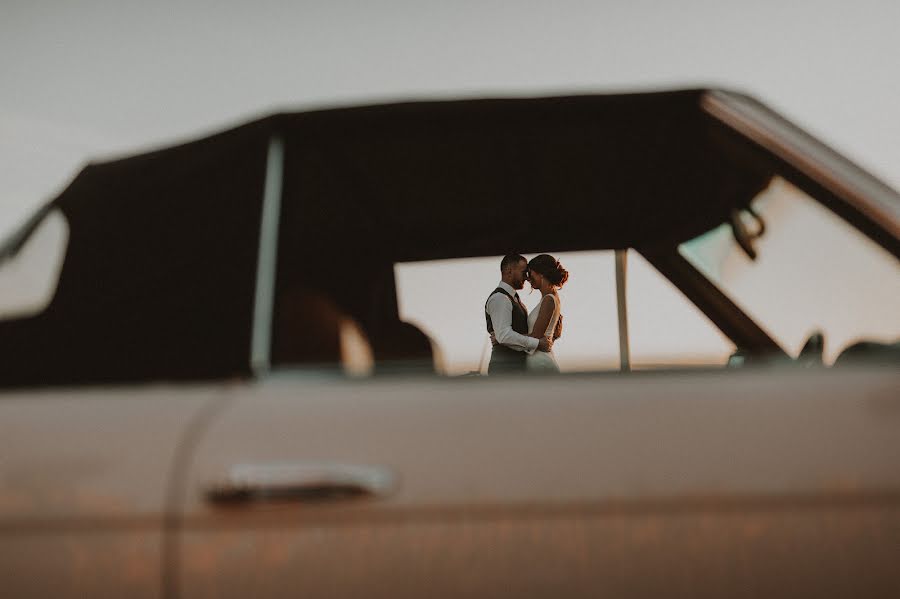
(522, 340)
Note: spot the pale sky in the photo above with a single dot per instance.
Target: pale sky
(89, 79)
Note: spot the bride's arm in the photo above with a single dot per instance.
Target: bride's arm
(539, 329)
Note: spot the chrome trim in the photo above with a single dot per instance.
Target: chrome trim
(622, 309)
(263, 305)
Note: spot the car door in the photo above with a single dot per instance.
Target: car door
(84, 487)
(762, 483)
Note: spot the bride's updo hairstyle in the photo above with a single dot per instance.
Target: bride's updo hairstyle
(549, 267)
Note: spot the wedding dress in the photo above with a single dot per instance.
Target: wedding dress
(541, 360)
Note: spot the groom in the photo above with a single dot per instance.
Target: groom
(507, 319)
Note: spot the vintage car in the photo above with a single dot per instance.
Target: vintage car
(215, 394)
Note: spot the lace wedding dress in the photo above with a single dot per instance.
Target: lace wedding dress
(541, 360)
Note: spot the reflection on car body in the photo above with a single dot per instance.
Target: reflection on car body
(177, 420)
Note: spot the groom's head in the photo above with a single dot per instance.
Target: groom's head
(514, 270)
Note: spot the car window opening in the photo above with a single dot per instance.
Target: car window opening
(816, 285)
(646, 320)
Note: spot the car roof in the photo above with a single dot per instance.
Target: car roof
(445, 178)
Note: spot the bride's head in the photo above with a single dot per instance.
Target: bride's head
(548, 269)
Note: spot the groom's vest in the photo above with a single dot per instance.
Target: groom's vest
(504, 359)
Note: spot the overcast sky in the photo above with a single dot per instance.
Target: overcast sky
(86, 79)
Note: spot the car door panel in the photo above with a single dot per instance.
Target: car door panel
(518, 486)
(84, 484)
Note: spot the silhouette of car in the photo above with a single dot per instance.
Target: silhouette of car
(215, 395)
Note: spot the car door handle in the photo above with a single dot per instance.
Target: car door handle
(300, 481)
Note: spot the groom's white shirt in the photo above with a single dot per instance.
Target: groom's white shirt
(500, 311)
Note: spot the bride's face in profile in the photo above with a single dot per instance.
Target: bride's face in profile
(536, 280)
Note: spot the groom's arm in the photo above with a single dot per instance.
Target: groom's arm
(500, 311)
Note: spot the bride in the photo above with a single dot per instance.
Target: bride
(547, 275)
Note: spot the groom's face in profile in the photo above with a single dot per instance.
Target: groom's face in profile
(519, 275)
